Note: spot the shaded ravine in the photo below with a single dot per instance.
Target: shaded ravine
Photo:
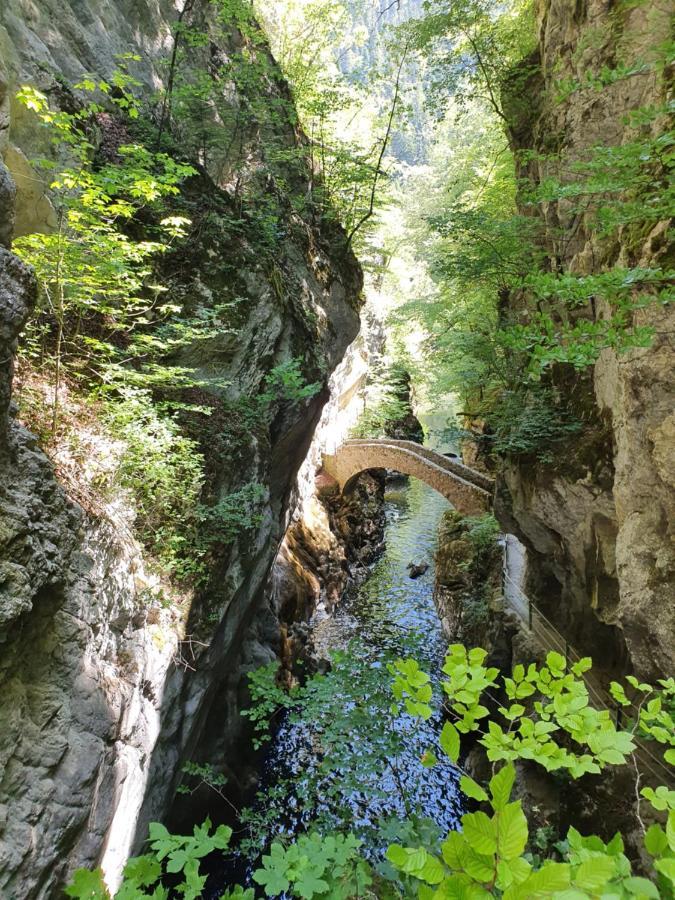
(387, 615)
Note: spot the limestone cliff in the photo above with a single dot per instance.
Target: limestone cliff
(599, 521)
(104, 694)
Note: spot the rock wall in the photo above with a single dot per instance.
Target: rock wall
(104, 695)
(329, 542)
(468, 589)
(599, 522)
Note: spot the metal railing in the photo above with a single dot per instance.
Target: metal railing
(552, 639)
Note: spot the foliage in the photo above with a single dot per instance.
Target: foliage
(198, 774)
(164, 472)
(161, 468)
(104, 322)
(286, 382)
(388, 402)
(652, 708)
(487, 858)
(482, 532)
(549, 723)
(315, 866)
(93, 276)
(348, 743)
(504, 314)
(234, 514)
(348, 110)
(537, 729)
(172, 854)
(267, 700)
(529, 422)
(484, 254)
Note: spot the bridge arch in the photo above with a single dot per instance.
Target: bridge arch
(469, 491)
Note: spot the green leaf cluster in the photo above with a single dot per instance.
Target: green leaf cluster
(315, 866)
(172, 854)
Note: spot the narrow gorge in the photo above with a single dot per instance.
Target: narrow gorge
(337, 449)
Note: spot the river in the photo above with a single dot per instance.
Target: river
(345, 760)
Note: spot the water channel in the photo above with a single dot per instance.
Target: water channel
(353, 764)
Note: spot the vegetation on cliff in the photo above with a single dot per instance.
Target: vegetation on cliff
(495, 316)
(138, 187)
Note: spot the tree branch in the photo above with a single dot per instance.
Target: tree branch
(166, 100)
(385, 143)
(481, 66)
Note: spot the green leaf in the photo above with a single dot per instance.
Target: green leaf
(661, 798)
(161, 841)
(641, 887)
(479, 831)
(542, 884)
(512, 831)
(449, 741)
(194, 883)
(221, 838)
(309, 883)
(582, 665)
(616, 846)
(666, 867)
(471, 788)
(429, 759)
(454, 849)
(656, 841)
(501, 785)
(273, 881)
(273, 876)
(670, 829)
(143, 870)
(593, 874)
(87, 885)
(417, 862)
(555, 662)
(479, 866)
(512, 872)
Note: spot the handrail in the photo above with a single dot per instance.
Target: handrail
(600, 697)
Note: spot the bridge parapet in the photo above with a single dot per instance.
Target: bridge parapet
(452, 465)
(465, 488)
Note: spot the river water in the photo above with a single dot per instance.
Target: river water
(350, 762)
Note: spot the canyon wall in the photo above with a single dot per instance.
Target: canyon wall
(599, 520)
(106, 688)
(330, 540)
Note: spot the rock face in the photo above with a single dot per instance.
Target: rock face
(468, 588)
(599, 524)
(331, 545)
(18, 290)
(105, 695)
(407, 427)
(329, 542)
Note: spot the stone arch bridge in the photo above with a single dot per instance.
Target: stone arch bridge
(469, 491)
